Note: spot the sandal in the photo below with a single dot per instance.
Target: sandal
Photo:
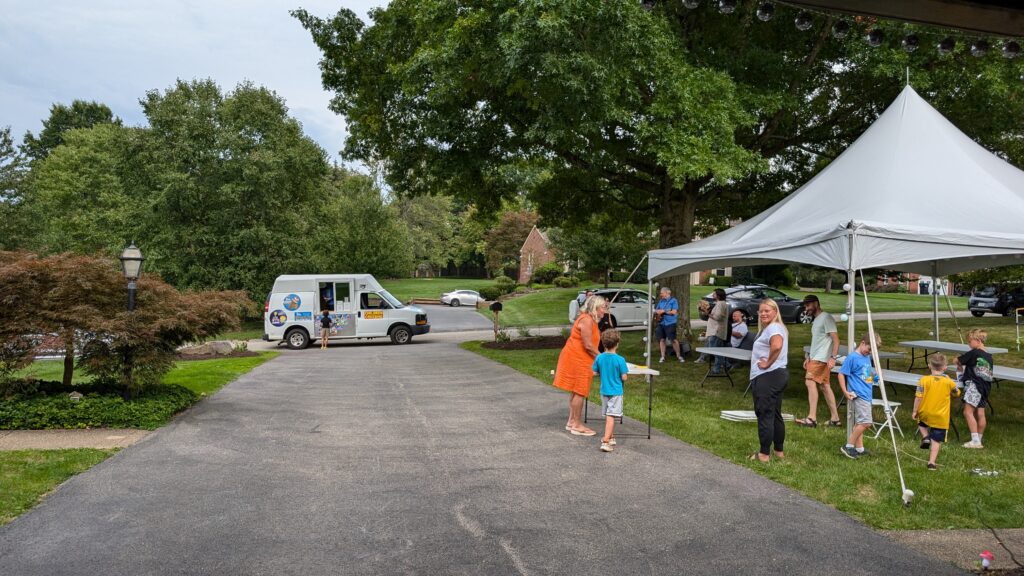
(756, 456)
(806, 422)
(835, 423)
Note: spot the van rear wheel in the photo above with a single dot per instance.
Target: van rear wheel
(401, 335)
(297, 339)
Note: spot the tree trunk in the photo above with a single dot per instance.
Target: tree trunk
(69, 356)
(828, 283)
(677, 217)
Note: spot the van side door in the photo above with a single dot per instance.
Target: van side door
(372, 317)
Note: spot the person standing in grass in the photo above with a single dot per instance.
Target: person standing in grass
(931, 406)
(718, 329)
(977, 365)
(612, 369)
(857, 378)
(768, 379)
(666, 312)
(821, 358)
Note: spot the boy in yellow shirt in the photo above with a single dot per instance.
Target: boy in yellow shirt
(931, 406)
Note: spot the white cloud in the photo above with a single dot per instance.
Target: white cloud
(114, 51)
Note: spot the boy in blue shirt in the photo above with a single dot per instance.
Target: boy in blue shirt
(612, 369)
(857, 379)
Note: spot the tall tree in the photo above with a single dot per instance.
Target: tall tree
(358, 232)
(668, 116)
(81, 197)
(12, 177)
(63, 118)
(602, 245)
(505, 239)
(430, 222)
(235, 186)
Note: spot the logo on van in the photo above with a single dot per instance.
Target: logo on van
(373, 314)
(278, 317)
(303, 316)
(292, 302)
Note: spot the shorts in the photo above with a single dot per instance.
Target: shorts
(611, 406)
(861, 410)
(935, 434)
(818, 372)
(665, 332)
(976, 395)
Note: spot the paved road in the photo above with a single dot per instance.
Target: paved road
(423, 459)
(448, 319)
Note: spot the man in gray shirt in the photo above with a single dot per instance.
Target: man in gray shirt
(819, 362)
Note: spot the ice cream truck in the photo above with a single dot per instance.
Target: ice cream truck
(358, 305)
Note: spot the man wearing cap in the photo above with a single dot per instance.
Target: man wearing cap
(821, 358)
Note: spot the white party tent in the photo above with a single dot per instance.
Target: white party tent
(913, 193)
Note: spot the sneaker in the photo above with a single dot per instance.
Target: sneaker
(849, 452)
(682, 360)
(926, 444)
(973, 444)
(701, 360)
(612, 442)
(662, 359)
(863, 452)
(607, 447)
(932, 466)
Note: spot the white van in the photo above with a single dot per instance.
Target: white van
(358, 304)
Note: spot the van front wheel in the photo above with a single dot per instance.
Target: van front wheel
(297, 339)
(401, 335)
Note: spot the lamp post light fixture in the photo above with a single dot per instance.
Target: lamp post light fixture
(131, 264)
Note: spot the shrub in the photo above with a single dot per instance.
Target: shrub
(722, 281)
(548, 272)
(502, 336)
(505, 284)
(490, 292)
(521, 289)
(523, 331)
(566, 282)
(101, 406)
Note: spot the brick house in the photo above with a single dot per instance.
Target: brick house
(536, 252)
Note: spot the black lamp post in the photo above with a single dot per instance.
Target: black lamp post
(131, 264)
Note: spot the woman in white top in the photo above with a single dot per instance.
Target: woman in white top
(768, 379)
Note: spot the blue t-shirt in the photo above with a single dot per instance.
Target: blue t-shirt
(610, 366)
(860, 375)
(670, 304)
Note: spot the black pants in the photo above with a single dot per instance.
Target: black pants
(767, 392)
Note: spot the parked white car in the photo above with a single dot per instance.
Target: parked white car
(461, 297)
(628, 307)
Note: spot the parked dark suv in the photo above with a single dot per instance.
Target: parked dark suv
(746, 299)
(991, 299)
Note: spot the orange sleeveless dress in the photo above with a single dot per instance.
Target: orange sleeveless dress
(574, 373)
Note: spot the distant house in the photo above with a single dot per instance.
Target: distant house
(536, 252)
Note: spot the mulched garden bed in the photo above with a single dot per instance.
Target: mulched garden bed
(532, 343)
(245, 354)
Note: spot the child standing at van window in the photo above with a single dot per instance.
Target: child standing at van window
(325, 329)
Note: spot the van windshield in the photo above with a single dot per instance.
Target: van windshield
(391, 299)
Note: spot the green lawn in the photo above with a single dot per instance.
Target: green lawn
(406, 289)
(200, 376)
(868, 488)
(27, 476)
(249, 330)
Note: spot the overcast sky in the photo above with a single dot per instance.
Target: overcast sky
(113, 51)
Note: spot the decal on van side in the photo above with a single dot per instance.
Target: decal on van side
(341, 320)
(303, 316)
(278, 317)
(373, 314)
(292, 302)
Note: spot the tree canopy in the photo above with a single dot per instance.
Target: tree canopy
(63, 118)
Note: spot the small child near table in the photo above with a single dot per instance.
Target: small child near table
(857, 379)
(931, 406)
(977, 365)
(612, 369)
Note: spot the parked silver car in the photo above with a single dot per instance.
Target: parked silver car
(628, 307)
(461, 297)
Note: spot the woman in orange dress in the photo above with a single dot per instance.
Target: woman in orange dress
(574, 373)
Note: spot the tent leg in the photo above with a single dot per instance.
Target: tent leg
(935, 299)
(851, 335)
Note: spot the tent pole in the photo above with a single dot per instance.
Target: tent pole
(935, 297)
(851, 345)
(650, 316)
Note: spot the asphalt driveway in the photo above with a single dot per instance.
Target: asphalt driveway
(423, 459)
